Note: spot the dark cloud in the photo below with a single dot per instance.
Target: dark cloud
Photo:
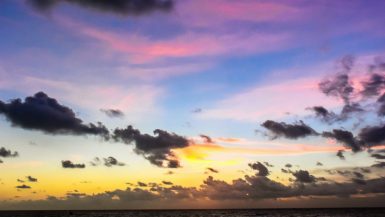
(31, 179)
(304, 176)
(7, 153)
(212, 170)
(19, 180)
(319, 164)
(23, 187)
(268, 164)
(206, 138)
(373, 135)
(142, 184)
(340, 154)
(379, 165)
(374, 85)
(40, 112)
(359, 181)
(338, 86)
(111, 161)
(113, 113)
(157, 149)
(167, 183)
(120, 7)
(291, 131)
(69, 164)
(262, 169)
(346, 138)
(322, 113)
(288, 165)
(378, 156)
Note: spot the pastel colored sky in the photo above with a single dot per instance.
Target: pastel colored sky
(191, 104)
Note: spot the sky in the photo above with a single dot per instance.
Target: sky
(164, 104)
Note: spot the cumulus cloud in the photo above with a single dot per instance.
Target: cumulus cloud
(304, 176)
(7, 153)
(43, 113)
(111, 161)
(372, 135)
(291, 131)
(157, 149)
(71, 165)
(346, 138)
(31, 179)
(113, 113)
(262, 169)
(120, 7)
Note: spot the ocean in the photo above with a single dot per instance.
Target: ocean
(361, 212)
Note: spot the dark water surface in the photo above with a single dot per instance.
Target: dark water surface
(370, 212)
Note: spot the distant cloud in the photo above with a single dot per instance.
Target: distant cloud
(40, 112)
(304, 176)
(7, 153)
(290, 131)
(340, 154)
(113, 113)
(111, 161)
(210, 169)
(120, 7)
(197, 110)
(262, 169)
(31, 179)
(69, 164)
(23, 187)
(157, 149)
(167, 183)
(319, 164)
(206, 138)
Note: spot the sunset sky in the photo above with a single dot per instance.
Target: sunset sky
(128, 104)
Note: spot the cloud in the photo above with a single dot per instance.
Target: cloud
(379, 165)
(157, 149)
(262, 169)
(113, 113)
(31, 179)
(167, 183)
(346, 138)
(319, 164)
(291, 131)
(304, 176)
(340, 85)
(120, 7)
(212, 170)
(373, 86)
(40, 112)
(322, 113)
(111, 161)
(23, 187)
(372, 135)
(69, 164)
(340, 154)
(206, 138)
(7, 153)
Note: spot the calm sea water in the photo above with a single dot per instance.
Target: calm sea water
(206, 213)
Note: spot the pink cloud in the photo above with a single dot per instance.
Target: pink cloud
(142, 49)
(217, 12)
